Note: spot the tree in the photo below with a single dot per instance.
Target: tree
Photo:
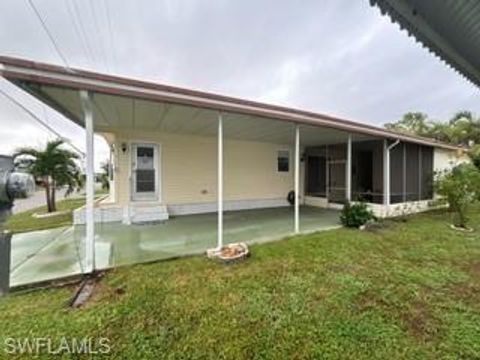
(56, 167)
(462, 129)
(474, 154)
(461, 188)
(104, 176)
(412, 123)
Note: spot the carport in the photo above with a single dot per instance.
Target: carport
(47, 255)
(232, 143)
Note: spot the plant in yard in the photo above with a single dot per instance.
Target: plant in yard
(356, 215)
(56, 167)
(461, 188)
(104, 176)
(474, 155)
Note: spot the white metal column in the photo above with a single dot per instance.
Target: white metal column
(348, 170)
(297, 179)
(89, 267)
(386, 173)
(220, 181)
(404, 173)
(386, 169)
(420, 175)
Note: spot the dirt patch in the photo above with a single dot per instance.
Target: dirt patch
(368, 300)
(466, 292)
(104, 293)
(474, 269)
(416, 320)
(419, 322)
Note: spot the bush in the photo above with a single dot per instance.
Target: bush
(461, 188)
(356, 215)
(474, 154)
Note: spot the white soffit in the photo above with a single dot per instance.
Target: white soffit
(123, 113)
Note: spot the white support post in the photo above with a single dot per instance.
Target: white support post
(404, 173)
(327, 174)
(220, 182)
(297, 179)
(90, 183)
(420, 168)
(348, 170)
(386, 173)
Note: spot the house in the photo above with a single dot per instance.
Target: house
(177, 151)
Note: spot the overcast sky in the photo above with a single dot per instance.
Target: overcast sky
(337, 57)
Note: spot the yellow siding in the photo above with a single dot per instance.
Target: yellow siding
(446, 159)
(189, 168)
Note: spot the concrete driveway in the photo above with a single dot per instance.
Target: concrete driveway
(56, 253)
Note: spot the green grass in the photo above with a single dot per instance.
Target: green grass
(24, 221)
(410, 290)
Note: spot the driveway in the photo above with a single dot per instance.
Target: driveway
(38, 199)
(57, 253)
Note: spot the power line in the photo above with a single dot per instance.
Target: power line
(103, 52)
(36, 118)
(110, 33)
(52, 39)
(82, 29)
(80, 34)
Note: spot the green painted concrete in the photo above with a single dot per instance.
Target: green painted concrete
(55, 253)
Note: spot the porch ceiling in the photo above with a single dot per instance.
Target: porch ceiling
(120, 113)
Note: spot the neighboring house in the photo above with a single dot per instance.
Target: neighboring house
(177, 151)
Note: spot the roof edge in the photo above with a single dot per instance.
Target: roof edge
(335, 122)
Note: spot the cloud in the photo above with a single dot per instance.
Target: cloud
(336, 57)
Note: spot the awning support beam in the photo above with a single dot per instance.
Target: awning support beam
(220, 181)
(297, 179)
(87, 106)
(348, 170)
(386, 170)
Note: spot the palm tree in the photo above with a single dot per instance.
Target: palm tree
(104, 176)
(56, 167)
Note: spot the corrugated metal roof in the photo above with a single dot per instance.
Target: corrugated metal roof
(448, 28)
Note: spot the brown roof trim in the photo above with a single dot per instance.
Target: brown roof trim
(257, 108)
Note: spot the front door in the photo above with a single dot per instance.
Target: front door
(144, 172)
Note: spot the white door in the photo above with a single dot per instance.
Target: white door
(145, 172)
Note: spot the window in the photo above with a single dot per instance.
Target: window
(145, 169)
(283, 161)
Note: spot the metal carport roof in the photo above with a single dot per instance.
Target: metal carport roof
(39, 79)
(448, 28)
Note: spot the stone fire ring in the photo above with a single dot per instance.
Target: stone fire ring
(230, 253)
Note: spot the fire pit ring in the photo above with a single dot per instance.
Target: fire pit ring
(230, 253)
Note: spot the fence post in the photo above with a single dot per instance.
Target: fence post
(5, 255)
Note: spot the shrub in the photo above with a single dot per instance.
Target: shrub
(474, 154)
(356, 215)
(461, 188)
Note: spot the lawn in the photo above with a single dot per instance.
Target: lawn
(408, 290)
(24, 221)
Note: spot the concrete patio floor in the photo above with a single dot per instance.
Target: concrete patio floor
(52, 254)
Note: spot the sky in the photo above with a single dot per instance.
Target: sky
(338, 57)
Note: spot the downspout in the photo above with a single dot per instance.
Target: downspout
(393, 145)
(386, 170)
